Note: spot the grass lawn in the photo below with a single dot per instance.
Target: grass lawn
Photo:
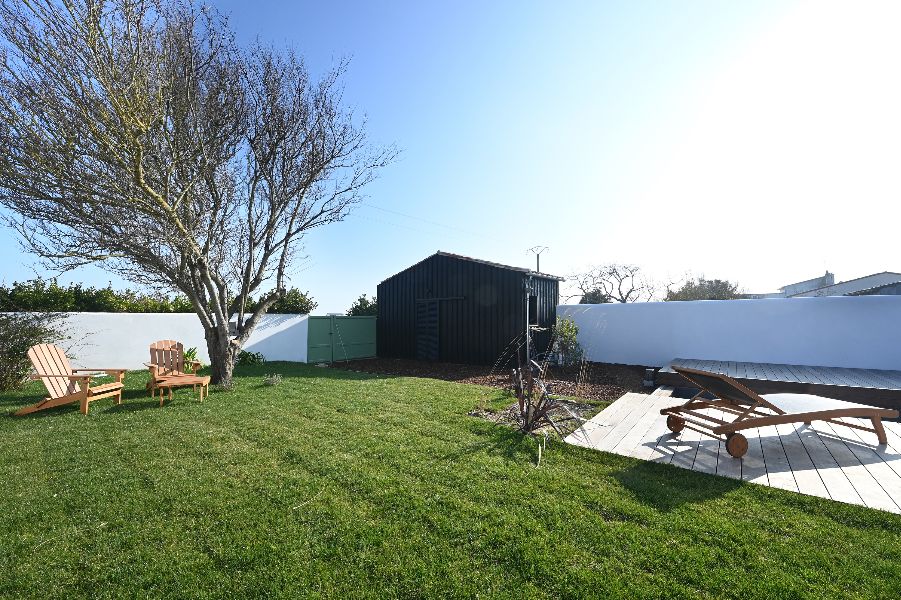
(337, 484)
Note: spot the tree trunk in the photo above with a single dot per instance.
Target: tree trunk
(222, 358)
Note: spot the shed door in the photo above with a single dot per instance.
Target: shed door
(427, 330)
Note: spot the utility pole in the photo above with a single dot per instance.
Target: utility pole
(528, 283)
(537, 250)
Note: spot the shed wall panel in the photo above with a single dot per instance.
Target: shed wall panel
(481, 309)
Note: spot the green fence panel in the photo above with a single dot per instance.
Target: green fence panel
(319, 340)
(353, 337)
(335, 338)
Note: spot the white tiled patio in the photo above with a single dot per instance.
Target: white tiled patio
(824, 460)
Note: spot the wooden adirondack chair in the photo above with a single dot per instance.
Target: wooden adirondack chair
(65, 384)
(167, 366)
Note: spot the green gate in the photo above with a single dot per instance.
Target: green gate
(337, 337)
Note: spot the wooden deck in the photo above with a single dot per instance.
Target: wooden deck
(867, 386)
(829, 461)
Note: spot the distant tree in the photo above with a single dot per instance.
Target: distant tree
(364, 307)
(616, 282)
(595, 296)
(39, 295)
(704, 289)
(139, 136)
(294, 302)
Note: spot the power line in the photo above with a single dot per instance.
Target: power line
(429, 221)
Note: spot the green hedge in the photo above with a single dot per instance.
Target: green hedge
(39, 295)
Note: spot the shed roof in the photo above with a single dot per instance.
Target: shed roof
(482, 262)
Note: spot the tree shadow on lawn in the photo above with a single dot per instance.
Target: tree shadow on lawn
(498, 440)
(133, 399)
(293, 370)
(666, 488)
(662, 487)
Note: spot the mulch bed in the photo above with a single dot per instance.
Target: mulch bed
(596, 382)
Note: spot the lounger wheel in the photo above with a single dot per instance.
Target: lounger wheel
(736, 445)
(675, 424)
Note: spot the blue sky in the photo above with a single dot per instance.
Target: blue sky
(753, 141)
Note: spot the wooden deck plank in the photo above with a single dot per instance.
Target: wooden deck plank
(830, 461)
(647, 448)
(780, 372)
(596, 428)
(806, 476)
(866, 453)
(778, 469)
(891, 452)
(894, 376)
(830, 472)
(753, 467)
(757, 371)
(795, 375)
(708, 452)
(835, 377)
(726, 465)
(874, 380)
(893, 433)
(628, 419)
(885, 378)
(628, 444)
(685, 448)
(856, 379)
(763, 371)
(808, 375)
(868, 488)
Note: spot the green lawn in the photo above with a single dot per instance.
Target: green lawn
(337, 484)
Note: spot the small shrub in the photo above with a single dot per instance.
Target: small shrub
(20, 331)
(566, 343)
(246, 358)
(190, 357)
(364, 307)
(273, 379)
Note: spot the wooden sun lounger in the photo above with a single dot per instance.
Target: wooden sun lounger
(65, 384)
(752, 410)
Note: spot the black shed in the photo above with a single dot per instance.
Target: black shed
(458, 309)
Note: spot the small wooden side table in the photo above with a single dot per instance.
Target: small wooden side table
(174, 381)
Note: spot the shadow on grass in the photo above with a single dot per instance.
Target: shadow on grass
(496, 439)
(135, 397)
(665, 487)
(291, 370)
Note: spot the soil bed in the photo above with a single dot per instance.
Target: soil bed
(591, 382)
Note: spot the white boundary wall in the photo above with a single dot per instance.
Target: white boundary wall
(122, 340)
(853, 332)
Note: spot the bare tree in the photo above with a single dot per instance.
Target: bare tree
(615, 283)
(138, 135)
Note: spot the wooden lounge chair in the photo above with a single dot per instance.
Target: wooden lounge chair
(167, 369)
(65, 384)
(752, 410)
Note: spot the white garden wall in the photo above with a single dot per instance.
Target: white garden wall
(122, 340)
(854, 332)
